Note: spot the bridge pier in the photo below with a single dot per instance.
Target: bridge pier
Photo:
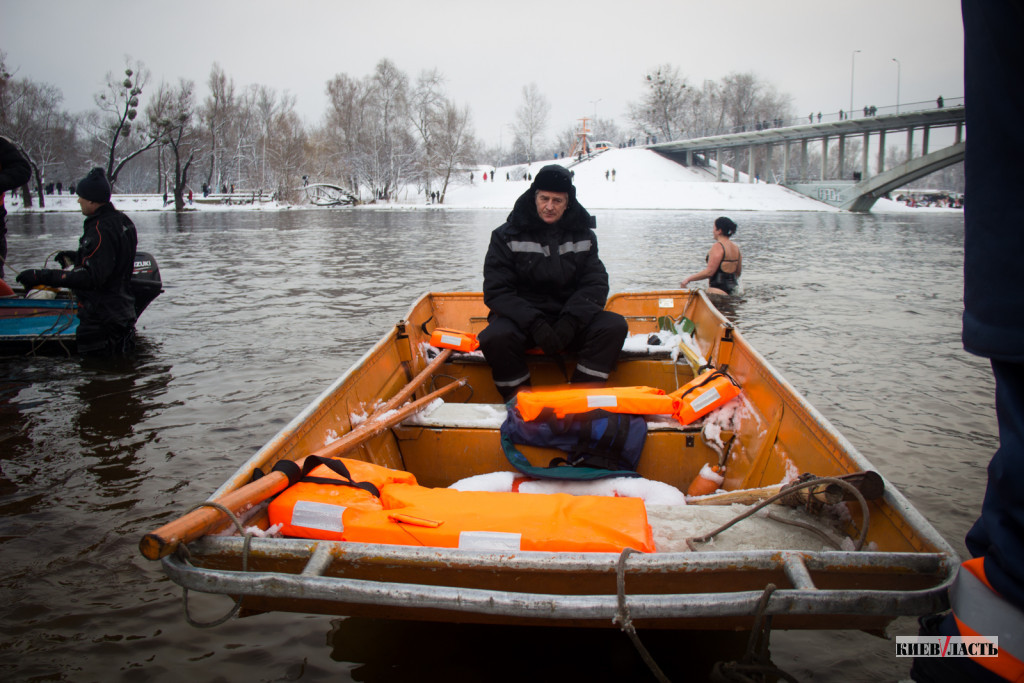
(842, 156)
(824, 156)
(881, 151)
(864, 157)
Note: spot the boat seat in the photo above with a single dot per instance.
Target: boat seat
(491, 415)
(650, 353)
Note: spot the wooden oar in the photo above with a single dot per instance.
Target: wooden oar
(870, 485)
(192, 525)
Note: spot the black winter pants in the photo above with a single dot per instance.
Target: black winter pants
(596, 347)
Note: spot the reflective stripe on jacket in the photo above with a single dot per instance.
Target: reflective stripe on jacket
(980, 611)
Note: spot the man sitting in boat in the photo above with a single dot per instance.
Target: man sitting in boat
(546, 286)
(102, 272)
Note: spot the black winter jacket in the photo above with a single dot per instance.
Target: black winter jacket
(101, 278)
(533, 269)
(14, 170)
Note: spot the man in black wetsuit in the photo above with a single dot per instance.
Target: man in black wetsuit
(101, 273)
(546, 286)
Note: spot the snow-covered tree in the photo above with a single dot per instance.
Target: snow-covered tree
(531, 120)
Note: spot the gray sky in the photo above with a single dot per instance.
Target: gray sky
(581, 55)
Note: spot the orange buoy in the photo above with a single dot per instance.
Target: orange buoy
(708, 481)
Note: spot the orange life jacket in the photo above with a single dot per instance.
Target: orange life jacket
(703, 394)
(572, 400)
(447, 338)
(314, 505)
(980, 611)
(408, 514)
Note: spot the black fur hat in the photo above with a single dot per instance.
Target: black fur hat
(554, 178)
(94, 187)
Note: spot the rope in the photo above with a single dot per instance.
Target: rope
(434, 387)
(625, 622)
(44, 336)
(186, 556)
(858, 544)
(756, 663)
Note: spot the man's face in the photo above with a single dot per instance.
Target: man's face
(551, 205)
(88, 207)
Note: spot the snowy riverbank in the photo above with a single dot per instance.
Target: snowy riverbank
(642, 180)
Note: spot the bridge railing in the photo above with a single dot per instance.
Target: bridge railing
(823, 117)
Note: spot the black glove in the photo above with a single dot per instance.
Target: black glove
(35, 277)
(565, 330)
(66, 258)
(545, 336)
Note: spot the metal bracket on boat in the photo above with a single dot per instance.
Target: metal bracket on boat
(402, 336)
(725, 346)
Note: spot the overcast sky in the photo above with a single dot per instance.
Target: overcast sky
(584, 57)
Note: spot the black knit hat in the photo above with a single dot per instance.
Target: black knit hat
(554, 178)
(94, 187)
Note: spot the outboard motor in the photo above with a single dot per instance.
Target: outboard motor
(146, 283)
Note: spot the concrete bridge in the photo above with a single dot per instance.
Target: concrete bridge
(852, 185)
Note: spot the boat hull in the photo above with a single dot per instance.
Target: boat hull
(27, 324)
(904, 569)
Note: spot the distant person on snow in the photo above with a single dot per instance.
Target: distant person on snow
(101, 273)
(14, 172)
(546, 286)
(725, 262)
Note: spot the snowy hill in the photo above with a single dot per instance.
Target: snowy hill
(643, 180)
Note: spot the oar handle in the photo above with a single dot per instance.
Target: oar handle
(196, 523)
(192, 525)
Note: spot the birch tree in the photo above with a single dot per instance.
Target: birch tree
(531, 120)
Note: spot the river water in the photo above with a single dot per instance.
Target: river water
(262, 310)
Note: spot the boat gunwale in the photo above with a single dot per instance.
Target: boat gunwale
(796, 601)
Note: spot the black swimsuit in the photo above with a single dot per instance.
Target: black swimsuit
(727, 282)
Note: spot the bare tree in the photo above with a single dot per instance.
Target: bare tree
(662, 109)
(216, 115)
(427, 107)
(172, 123)
(286, 149)
(531, 120)
(749, 101)
(344, 126)
(392, 148)
(455, 143)
(115, 126)
(42, 130)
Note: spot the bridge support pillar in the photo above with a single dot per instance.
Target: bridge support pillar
(718, 165)
(824, 155)
(750, 164)
(910, 144)
(803, 160)
(768, 164)
(881, 152)
(864, 157)
(785, 162)
(842, 157)
(736, 165)
(924, 142)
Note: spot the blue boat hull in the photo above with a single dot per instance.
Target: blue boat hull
(33, 322)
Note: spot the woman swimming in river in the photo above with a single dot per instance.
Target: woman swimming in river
(725, 262)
